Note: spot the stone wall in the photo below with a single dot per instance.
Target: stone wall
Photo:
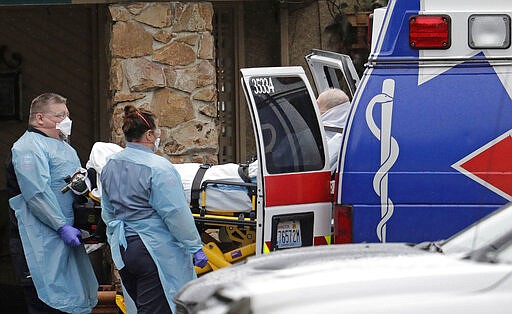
(162, 59)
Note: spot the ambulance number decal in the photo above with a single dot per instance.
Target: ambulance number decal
(262, 85)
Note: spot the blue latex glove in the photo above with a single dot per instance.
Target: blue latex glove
(69, 235)
(200, 258)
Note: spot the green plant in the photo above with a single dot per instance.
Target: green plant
(341, 30)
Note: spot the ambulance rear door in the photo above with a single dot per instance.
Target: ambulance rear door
(294, 206)
(333, 70)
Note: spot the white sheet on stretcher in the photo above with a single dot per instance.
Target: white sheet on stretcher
(218, 198)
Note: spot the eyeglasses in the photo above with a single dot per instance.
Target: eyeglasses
(60, 115)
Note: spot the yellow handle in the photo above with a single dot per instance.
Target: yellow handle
(240, 253)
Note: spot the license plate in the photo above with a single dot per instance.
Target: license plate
(288, 234)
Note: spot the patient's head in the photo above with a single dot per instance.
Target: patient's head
(331, 98)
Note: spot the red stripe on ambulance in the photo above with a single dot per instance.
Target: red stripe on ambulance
(321, 240)
(297, 188)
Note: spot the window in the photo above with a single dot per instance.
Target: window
(291, 136)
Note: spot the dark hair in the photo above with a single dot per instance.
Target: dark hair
(136, 122)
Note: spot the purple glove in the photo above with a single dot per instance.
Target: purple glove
(69, 235)
(200, 259)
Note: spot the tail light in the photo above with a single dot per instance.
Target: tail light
(342, 224)
(429, 32)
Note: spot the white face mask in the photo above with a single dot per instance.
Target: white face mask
(156, 144)
(64, 126)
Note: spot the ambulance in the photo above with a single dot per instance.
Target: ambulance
(427, 148)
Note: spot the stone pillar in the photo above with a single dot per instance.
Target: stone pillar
(162, 59)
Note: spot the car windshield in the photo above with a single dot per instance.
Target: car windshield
(485, 232)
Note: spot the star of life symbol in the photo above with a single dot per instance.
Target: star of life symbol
(388, 151)
(491, 165)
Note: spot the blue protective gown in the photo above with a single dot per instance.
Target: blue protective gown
(62, 275)
(143, 195)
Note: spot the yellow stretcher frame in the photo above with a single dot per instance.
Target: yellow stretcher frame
(241, 228)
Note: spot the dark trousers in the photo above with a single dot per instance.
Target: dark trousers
(34, 304)
(140, 279)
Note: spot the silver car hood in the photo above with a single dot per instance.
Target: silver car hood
(198, 290)
(409, 283)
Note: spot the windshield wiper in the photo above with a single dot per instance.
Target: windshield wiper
(431, 246)
(437, 246)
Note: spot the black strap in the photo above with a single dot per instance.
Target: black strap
(243, 172)
(91, 174)
(333, 129)
(195, 189)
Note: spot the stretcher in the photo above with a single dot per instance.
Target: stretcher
(222, 200)
(224, 210)
(228, 236)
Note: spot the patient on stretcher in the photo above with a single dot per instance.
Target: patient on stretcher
(219, 197)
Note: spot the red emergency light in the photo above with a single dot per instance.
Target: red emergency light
(429, 32)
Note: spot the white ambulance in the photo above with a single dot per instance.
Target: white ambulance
(427, 148)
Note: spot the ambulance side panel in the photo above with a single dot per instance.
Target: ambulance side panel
(428, 146)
